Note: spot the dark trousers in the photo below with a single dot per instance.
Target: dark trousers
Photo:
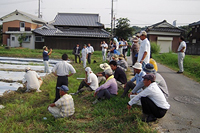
(104, 93)
(129, 85)
(124, 52)
(134, 59)
(77, 55)
(89, 58)
(83, 84)
(149, 107)
(61, 80)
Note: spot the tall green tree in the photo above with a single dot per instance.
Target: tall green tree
(123, 28)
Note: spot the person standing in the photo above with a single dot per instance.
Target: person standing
(32, 80)
(181, 53)
(90, 52)
(104, 47)
(125, 45)
(144, 51)
(46, 59)
(112, 49)
(62, 69)
(120, 46)
(154, 103)
(134, 49)
(77, 50)
(84, 53)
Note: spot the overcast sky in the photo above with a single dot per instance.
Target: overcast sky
(139, 12)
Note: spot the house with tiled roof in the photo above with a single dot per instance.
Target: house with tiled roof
(193, 46)
(19, 23)
(69, 29)
(165, 35)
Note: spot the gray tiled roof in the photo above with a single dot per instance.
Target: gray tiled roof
(164, 26)
(73, 33)
(195, 23)
(77, 19)
(32, 17)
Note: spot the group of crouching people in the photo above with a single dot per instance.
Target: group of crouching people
(148, 88)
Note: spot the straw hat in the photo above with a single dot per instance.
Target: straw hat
(121, 56)
(104, 66)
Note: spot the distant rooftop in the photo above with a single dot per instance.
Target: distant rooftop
(195, 23)
(77, 19)
(163, 26)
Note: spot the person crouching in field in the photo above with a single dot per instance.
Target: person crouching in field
(32, 80)
(108, 89)
(154, 103)
(64, 106)
(90, 83)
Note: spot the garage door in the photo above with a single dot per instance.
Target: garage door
(165, 44)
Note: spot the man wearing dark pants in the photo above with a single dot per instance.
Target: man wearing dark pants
(62, 69)
(154, 103)
(90, 52)
(77, 50)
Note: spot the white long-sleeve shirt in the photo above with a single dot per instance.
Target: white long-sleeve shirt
(154, 93)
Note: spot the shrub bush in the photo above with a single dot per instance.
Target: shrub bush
(155, 49)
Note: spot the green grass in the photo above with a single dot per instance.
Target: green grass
(191, 63)
(24, 112)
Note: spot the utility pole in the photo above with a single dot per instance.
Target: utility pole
(112, 18)
(38, 8)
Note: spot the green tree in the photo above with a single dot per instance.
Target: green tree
(123, 28)
(186, 32)
(21, 39)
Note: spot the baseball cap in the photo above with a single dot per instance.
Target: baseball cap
(149, 68)
(143, 33)
(150, 76)
(63, 88)
(108, 71)
(27, 68)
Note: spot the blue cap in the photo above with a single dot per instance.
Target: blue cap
(63, 88)
(149, 68)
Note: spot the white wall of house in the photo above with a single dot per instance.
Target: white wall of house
(14, 40)
(31, 44)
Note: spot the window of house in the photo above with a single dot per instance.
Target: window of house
(195, 29)
(13, 38)
(39, 39)
(22, 24)
(27, 39)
